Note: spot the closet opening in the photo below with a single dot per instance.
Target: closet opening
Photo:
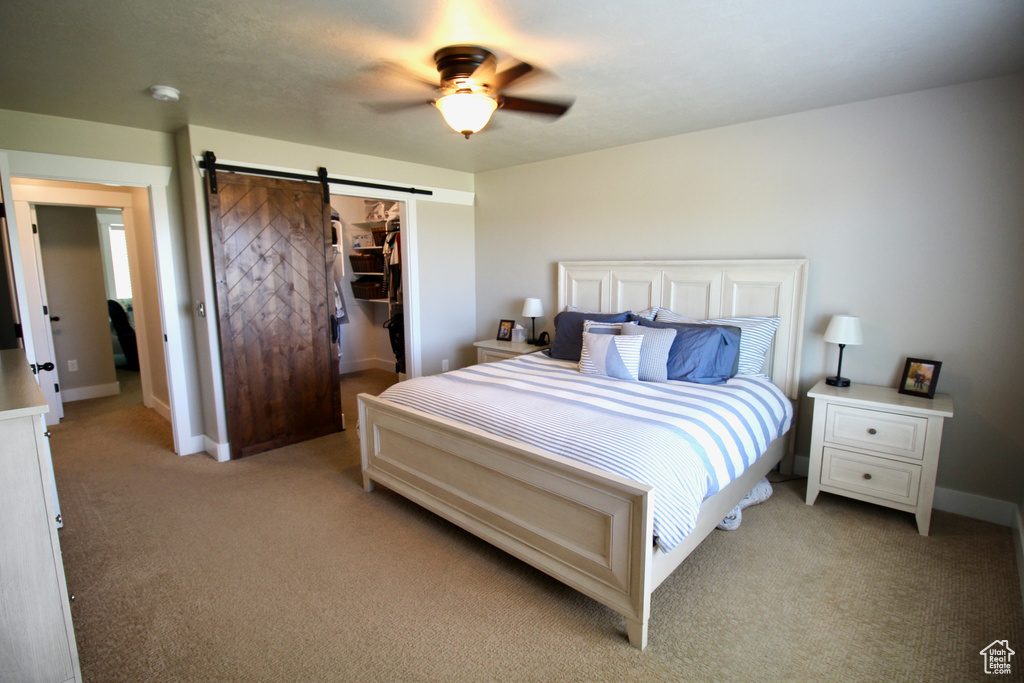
(370, 290)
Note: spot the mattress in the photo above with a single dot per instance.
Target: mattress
(685, 440)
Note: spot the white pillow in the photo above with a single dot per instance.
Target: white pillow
(611, 355)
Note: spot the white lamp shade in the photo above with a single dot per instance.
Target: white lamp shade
(844, 329)
(466, 112)
(533, 308)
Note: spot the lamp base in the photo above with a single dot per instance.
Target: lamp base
(837, 381)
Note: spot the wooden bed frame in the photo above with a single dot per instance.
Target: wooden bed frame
(587, 528)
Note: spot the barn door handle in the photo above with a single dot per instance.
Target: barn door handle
(55, 318)
(46, 366)
(335, 325)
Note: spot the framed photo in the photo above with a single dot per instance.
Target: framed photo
(920, 377)
(505, 330)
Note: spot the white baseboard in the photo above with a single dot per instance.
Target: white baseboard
(970, 505)
(95, 391)
(1018, 545)
(195, 444)
(160, 407)
(219, 451)
(366, 364)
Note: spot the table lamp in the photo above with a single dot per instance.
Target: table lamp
(842, 330)
(533, 309)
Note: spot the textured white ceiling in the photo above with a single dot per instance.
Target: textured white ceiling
(305, 70)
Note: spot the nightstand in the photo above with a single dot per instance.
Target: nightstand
(491, 350)
(877, 445)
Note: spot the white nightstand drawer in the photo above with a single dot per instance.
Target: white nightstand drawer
(871, 476)
(885, 432)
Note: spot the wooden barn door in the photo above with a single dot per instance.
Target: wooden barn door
(271, 243)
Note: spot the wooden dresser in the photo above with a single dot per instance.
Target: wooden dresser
(37, 638)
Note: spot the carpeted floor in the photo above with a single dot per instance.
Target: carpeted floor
(279, 567)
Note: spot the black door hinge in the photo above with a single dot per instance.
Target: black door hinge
(56, 388)
(35, 370)
(35, 229)
(3, 211)
(17, 330)
(46, 311)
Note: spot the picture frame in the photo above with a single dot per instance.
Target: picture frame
(920, 377)
(505, 328)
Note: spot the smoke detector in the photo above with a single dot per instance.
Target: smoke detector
(165, 93)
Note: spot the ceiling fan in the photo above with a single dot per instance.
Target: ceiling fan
(471, 89)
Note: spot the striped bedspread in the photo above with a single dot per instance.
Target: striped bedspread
(685, 440)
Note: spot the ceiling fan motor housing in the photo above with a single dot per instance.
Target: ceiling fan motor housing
(460, 62)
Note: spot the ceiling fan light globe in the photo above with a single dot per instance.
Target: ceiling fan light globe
(466, 112)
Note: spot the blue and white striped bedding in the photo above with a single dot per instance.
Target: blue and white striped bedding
(685, 440)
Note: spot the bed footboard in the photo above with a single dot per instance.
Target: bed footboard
(587, 528)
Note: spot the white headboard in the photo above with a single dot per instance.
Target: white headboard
(701, 290)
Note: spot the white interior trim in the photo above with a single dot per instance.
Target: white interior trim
(156, 179)
(95, 391)
(1018, 545)
(14, 244)
(366, 364)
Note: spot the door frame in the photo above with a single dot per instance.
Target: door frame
(34, 279)
(156, 180)
(122, 198)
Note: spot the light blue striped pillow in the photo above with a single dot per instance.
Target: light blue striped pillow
(599, 327)
(755, 340)
(615, 356)
(653, 351)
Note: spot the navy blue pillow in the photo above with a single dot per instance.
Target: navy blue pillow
(568, 341)
(705, 354)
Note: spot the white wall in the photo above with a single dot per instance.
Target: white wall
(447, 285)
(910, 209)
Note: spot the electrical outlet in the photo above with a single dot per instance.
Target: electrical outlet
(72, 366)
(444, 365)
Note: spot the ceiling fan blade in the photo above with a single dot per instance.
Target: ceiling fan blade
(395, 106)
(534, 106)
(394, 70)
(505, 78)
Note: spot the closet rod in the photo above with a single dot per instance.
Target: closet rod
(216, 165)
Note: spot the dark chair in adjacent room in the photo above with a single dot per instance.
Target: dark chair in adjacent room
(125, 334)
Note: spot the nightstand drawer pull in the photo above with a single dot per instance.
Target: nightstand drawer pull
(867, 475)
(872, 431)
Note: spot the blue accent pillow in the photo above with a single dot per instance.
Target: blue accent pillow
(704, 354)
(755, 340)
(568, 341)
(611, 355)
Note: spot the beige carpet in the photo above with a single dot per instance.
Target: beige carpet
(279, 567)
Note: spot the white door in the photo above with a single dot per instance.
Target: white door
(39, 311)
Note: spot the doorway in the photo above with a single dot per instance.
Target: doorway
(369, 277)
(150, 186)
(78, 267)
